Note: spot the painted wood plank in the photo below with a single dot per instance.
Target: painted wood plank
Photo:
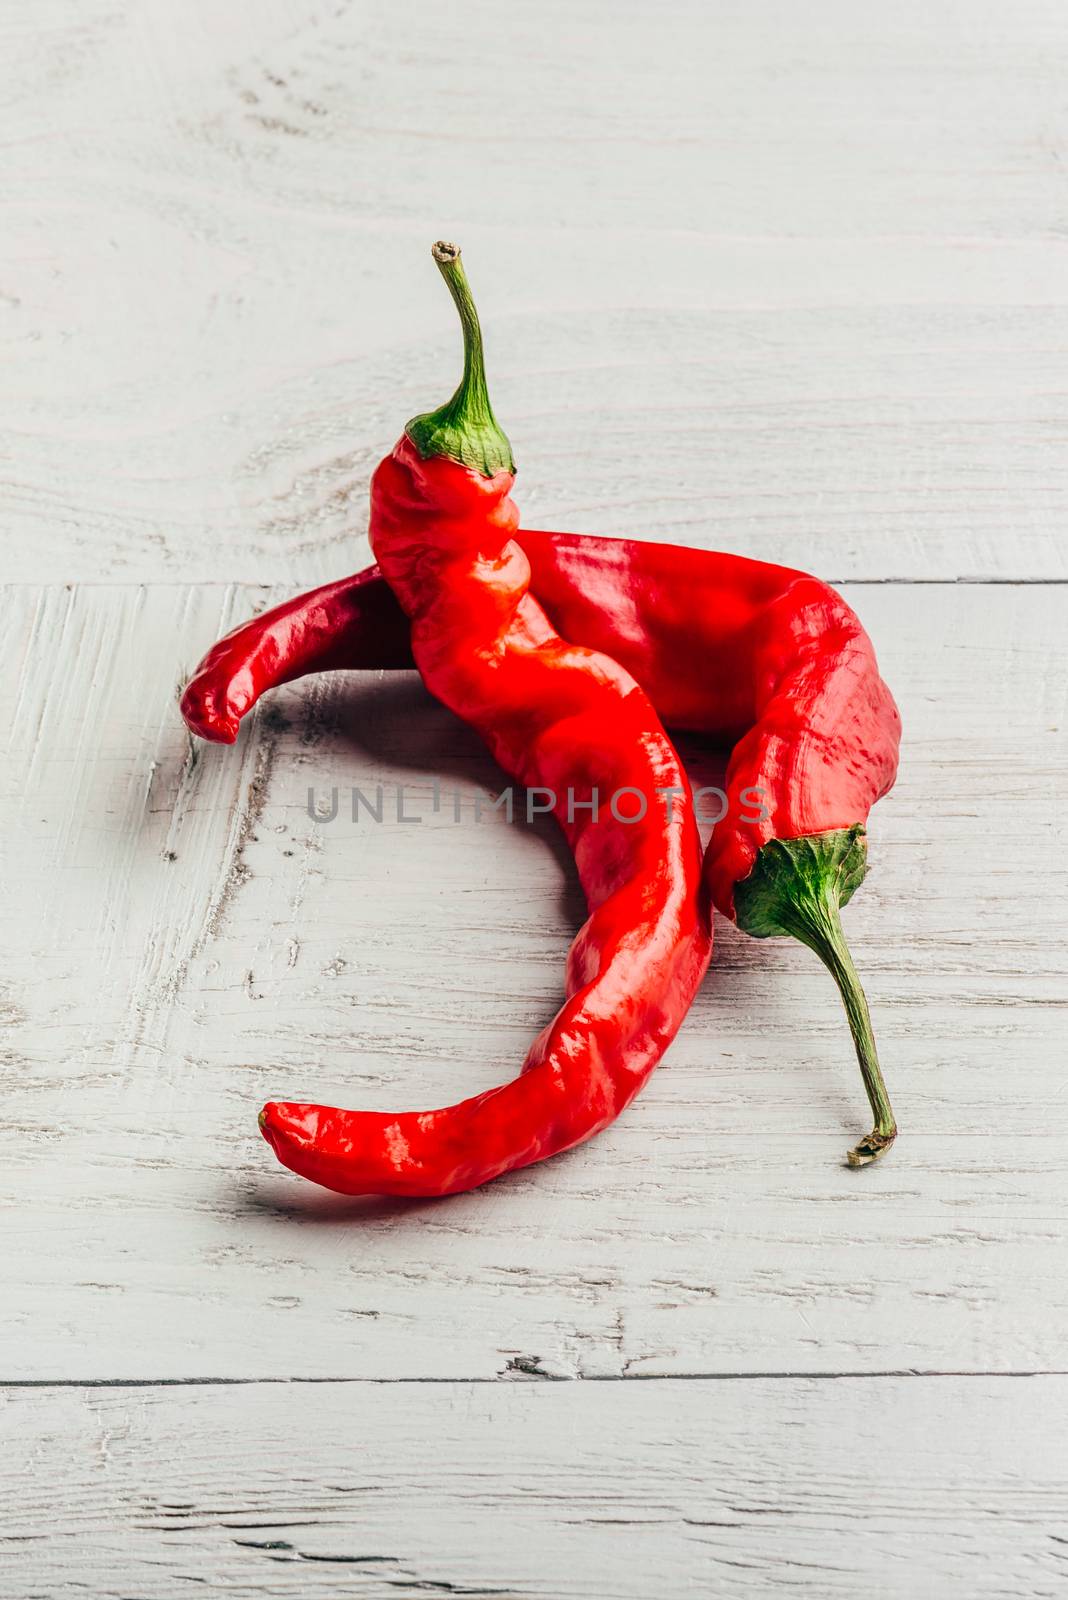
(179, 940)
(785, 280)
(883, 1487)
(789, 281)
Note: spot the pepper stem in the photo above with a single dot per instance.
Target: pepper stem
(798, 887)
(464, 428)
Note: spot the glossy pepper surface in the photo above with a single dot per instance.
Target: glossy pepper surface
(555, 715)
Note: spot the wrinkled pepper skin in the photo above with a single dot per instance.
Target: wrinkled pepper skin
(557, 715)
(757, 656)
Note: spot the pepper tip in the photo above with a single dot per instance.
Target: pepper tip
(870, 1149)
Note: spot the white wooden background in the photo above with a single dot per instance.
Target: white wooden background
(787, 279)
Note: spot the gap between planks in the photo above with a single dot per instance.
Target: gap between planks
(527, 1375)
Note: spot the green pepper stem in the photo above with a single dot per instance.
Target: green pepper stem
(464, 428)
(798, 887)
(472, 397)
(824, 935)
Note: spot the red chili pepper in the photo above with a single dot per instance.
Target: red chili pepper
(722, 645)
(558, 716)
(737, 649)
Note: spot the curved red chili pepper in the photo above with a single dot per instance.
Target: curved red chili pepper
(738, 649)
(558, 716)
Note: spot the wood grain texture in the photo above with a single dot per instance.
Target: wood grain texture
(789, 280)
(786, 280)
(528, 1491)
(181, 941)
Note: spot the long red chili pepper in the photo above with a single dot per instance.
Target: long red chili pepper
(737, 649)
(558, 716)
(734, 648)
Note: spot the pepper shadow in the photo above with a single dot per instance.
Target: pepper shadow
(395, 723)
(285, 1199)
